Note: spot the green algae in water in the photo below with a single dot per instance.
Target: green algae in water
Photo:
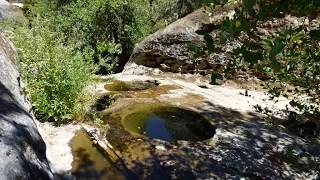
(169, 124)
(90, 163)
(129, 86)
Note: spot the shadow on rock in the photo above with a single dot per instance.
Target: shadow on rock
(244, 142)
(243, 146)
(21, 143)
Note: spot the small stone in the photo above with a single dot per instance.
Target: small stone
(161, 147)
(157, 82)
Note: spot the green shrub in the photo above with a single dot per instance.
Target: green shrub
(66, 41)
(107, 27)
(56, 75)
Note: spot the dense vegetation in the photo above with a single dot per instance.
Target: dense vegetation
(290, 57)
(63, 43)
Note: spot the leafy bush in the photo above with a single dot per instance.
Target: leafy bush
(56, 75)
(66, 41)
(110, 27)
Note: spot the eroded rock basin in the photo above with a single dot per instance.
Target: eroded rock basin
(144, 134)
(169, 124)
(160, 149)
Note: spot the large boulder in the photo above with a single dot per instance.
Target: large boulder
(22, 150)
(166, 50)
(5, 9)
(10, 13)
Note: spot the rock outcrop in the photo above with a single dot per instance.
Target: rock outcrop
(5, 9)
(22, 150)
(10, 11)
(166, 50)
(244, 146)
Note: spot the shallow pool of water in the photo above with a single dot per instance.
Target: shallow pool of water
(169, 124)
(117, 85)
(91, 163)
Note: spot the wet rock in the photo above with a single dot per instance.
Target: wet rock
(22, 150)
(169, 123)
(131, 85)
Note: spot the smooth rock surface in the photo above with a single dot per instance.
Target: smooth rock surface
(58, 150)
(5, 9)
(22, 150)
(243, 147)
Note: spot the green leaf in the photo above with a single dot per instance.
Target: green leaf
(251, 57)
(196, 51)
(277, 47)
(223, 37)
(266, 42)
(192, 47)
(215, 77)
(297, 38)
(287, 34)
(291, 65)
(248, 4)
(288, 68)
(275, 65)
(209, 42)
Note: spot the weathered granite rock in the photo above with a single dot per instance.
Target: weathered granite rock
(244, 146)
(10, 13)
(272, 153)
(5, 9)
(166, 49)
(22, 150)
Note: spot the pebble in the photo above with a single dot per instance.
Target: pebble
(160, 147)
